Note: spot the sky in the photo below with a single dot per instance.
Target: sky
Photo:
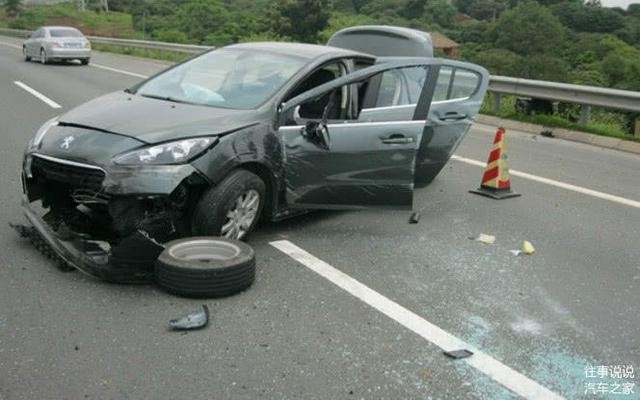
(618, 3)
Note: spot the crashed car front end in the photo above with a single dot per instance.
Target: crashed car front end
(105, 218)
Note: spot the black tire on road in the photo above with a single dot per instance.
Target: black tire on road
(26, 57)
(43, 57)
(211, 212)
(205, 267)
(84, 61)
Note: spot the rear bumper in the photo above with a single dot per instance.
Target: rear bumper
(130, 261)
(69, 53)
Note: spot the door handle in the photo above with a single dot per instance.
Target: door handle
(452, 116)
(397, 139)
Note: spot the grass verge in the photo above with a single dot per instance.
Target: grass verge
(172, 56)
(603, 122)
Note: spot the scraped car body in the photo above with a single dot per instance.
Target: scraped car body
(322, 127)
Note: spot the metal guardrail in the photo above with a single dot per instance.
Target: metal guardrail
(586, 96)
(140, 44)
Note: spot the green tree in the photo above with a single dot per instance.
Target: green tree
(441, 12)
(340, 20)
(529, 29)
(547, 68)
(358, 4)
(588, 18)
(634, 10)
(200, 18)
(300, 20)
(499, 61)
(12, 7)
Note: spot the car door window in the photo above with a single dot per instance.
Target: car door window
(314, 109)
(456, 83)
(400, 87)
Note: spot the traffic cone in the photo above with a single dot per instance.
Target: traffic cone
(496, 181)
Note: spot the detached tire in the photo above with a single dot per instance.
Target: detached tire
(205, 267)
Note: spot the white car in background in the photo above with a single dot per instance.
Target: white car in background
(63, 43)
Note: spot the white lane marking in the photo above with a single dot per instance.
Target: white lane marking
(484, 363)
(120, 71)
(39, 95)
(567, 186)
(11, 45)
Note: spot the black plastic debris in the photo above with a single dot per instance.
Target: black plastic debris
(547, 133)
(29, 232)
(196, 320)
(414, 218)
(458, 354)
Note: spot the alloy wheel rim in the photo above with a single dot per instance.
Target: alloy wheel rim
(43, 57)
(242, 215)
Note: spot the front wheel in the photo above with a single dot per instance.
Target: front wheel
(84, 61)
(232, 208)
(43, 56)
(24, 52)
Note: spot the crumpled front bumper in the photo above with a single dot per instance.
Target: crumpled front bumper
(131, 261)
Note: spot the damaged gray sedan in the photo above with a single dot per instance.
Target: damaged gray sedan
(248, 131)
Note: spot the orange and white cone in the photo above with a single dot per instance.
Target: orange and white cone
(496, 181)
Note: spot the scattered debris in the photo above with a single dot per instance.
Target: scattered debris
(415, 217)
(197, 320)
(458, 354)
(484, 238)
(516, 252)
(547, 133)
(29, 232)
(527, 248)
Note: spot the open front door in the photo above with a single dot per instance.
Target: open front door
(343, 163)
(459, 92)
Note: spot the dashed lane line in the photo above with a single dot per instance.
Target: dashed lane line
(562, 185)
(37, 94)
(120, 71)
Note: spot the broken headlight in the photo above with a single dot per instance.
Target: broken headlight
(178, 152)
(37, 139)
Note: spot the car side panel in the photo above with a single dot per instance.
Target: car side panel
(256, 147)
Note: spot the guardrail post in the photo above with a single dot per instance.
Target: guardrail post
(497, 98)
(585, 114)
(637, 130)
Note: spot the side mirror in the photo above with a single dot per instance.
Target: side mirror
(316, 133)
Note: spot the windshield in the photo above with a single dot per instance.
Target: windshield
(65, 33)
(228, 78)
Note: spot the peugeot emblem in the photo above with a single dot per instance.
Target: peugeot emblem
(66, 142)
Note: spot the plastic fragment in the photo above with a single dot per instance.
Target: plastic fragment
(527, 248)
(516, 252)
(196, 320)
(458, 354)
(547, 133)
(415, 217)
(484, 238)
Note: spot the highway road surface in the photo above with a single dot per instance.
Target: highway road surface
(346, 305)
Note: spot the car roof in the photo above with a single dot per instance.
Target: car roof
(304, 50)
(60, 27)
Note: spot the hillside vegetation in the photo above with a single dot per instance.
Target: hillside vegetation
(557, 40)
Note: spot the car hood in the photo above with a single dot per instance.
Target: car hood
(152, 121)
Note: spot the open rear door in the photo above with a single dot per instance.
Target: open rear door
(350, 163)
(459, 92)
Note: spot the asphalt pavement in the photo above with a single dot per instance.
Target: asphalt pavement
(540, 320)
